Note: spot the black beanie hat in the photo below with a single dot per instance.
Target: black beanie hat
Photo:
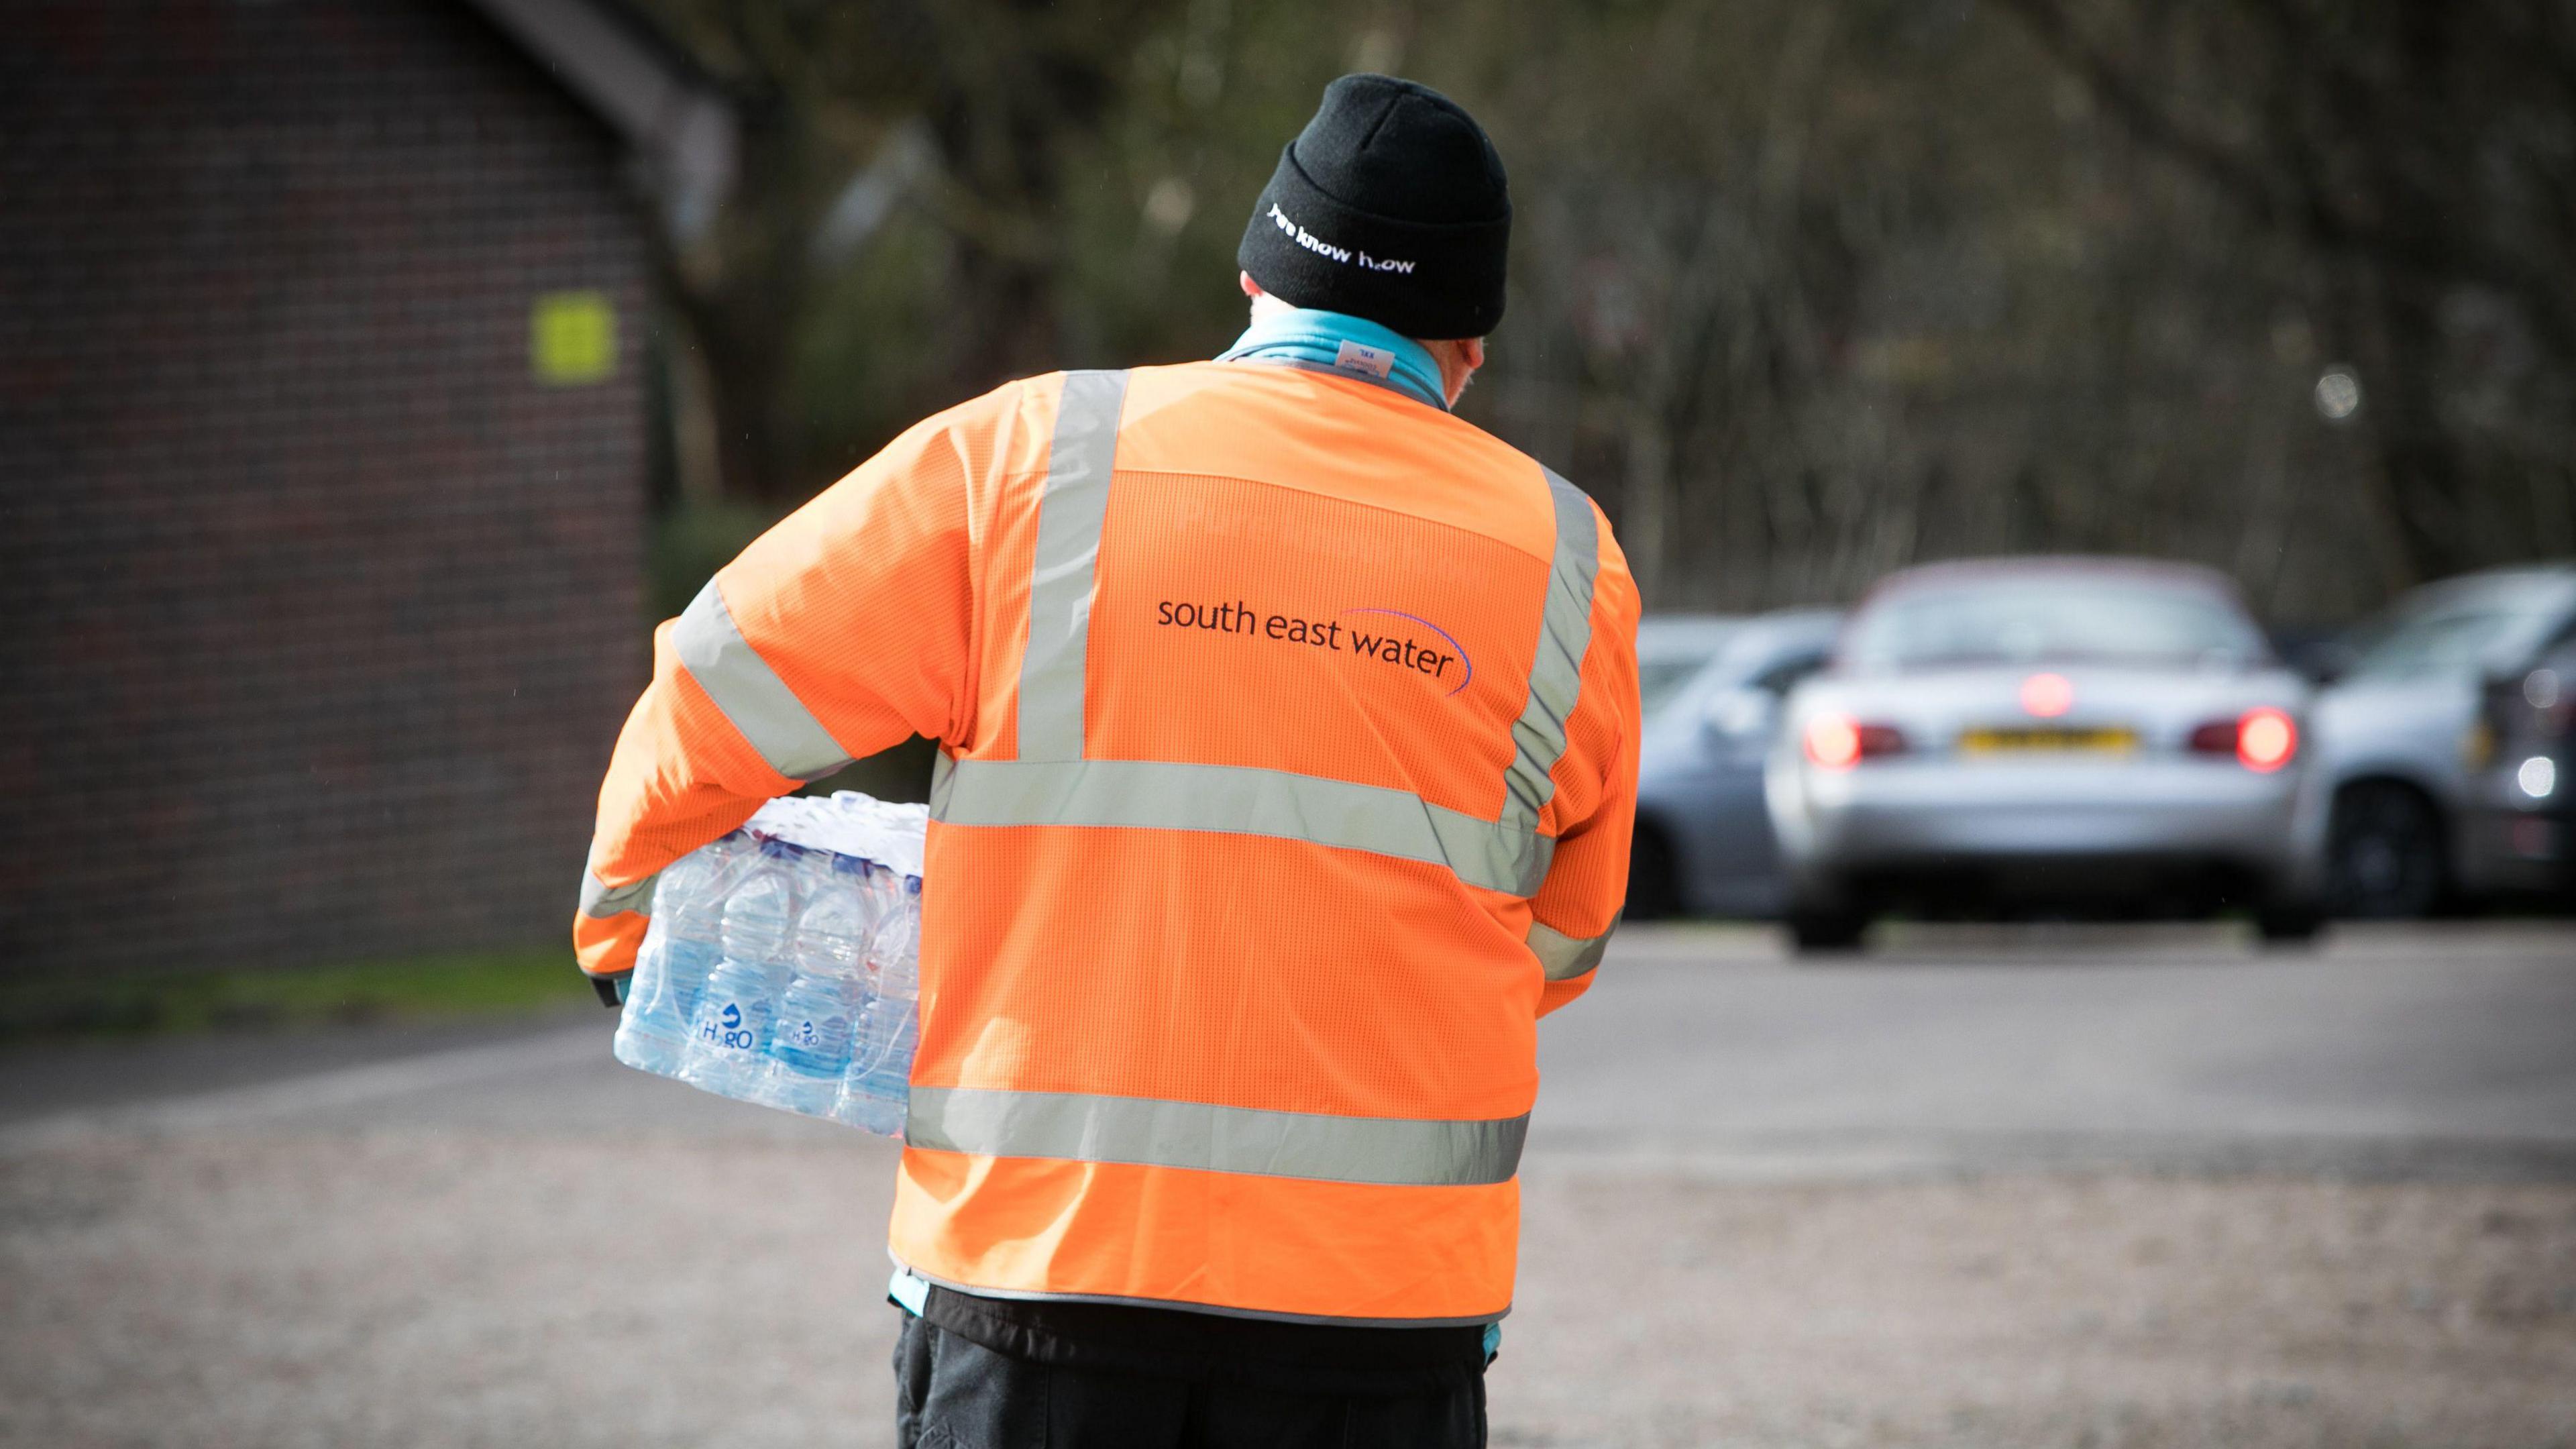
(1390, 205)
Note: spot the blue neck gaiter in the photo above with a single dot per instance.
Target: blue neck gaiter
(1337, 342)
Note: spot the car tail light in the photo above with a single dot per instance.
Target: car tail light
(2260, 739)
(2265, 739)
(1838, 742)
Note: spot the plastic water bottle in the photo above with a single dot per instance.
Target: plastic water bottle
(885, 893)
(730, 1032)
(879, 1082)
(679, 954)
(809, 1049)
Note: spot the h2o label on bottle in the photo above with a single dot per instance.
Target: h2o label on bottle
(728, 1029)
(828, 1032)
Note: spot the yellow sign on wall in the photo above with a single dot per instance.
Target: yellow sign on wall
(572, 338)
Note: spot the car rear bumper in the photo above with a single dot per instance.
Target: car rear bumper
(2510, 843)
(1920, 816)
(2506, 853)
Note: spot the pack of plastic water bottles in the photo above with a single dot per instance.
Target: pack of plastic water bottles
(783, 963)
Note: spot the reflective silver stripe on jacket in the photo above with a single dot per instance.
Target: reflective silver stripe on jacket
(1556, 671)
(750, 693)
(1068, 553)
(1052, 782)
(1562, 957)
(598, 899)
(1195, 1135)
(1240, 800)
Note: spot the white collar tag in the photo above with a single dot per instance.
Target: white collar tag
(1377, 362)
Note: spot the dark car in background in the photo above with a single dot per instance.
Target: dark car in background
(2102, 734)
(2518, 826)
(1710, 689)
(2400, 744)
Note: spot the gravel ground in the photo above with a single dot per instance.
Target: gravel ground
(1973, 1192)
(413, 1287)
(2075, 1311)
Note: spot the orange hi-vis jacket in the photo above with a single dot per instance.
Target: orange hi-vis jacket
(1288, 751)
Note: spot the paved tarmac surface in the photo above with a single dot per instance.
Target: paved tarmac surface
(2399, 1049)
(1980, 1188)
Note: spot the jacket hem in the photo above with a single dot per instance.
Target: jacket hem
(1221, 1310)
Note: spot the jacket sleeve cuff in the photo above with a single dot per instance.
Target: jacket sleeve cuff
(606, 948)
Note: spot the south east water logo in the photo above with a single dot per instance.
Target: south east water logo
(1388, 648)
(1361, 636)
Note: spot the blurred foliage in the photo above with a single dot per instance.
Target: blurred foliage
(2421, 161)
(961, 115)
(427, 988)
(901, 773)
(689, 543)
(1801, 292)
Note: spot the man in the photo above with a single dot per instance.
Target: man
(1288, 746)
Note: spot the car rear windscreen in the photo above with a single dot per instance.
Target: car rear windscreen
(2483, 628)
(2014, 621)
(1658, 680)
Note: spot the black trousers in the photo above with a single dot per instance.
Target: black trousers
(953, 1393)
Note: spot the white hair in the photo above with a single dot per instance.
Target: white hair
(1265, 306)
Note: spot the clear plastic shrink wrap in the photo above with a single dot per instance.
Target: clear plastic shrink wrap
(783, 963)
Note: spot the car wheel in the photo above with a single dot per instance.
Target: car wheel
(1817, 931)
(1654, 877)
(2384, 852)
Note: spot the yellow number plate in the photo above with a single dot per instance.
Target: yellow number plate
(2048, 742)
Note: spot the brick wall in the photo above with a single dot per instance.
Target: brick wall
(320, 610)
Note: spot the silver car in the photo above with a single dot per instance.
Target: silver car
(1710, 689)
(2055, 733)
(2398, 742)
